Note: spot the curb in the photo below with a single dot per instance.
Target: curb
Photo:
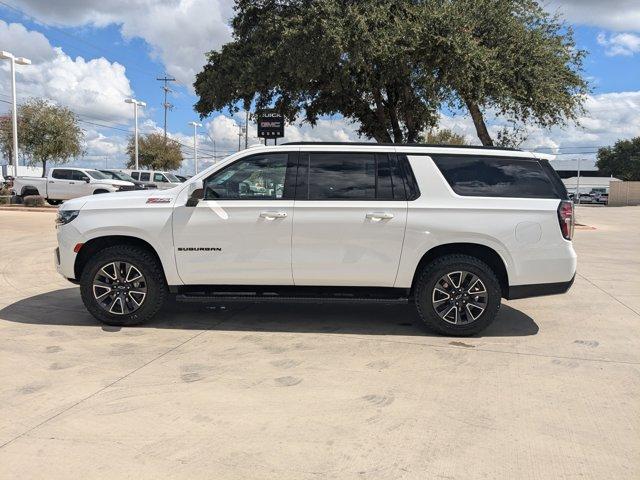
(20, 208)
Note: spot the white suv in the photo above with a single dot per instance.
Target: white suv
(451, 229)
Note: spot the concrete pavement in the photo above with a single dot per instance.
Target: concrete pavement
(550, 390)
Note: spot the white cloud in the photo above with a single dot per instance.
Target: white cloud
(95, 88)
(179, 32)
(626, 44)
(610, 14)
(608, 117)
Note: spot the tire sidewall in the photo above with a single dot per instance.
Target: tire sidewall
(441, 267)
(156, 288)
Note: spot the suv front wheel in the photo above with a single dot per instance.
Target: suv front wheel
(457, 295)
(123, 285)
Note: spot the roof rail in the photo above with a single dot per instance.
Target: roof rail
(426, 145)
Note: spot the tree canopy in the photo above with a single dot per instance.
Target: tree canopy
(155, 152)
(442, 136)
(622, 160)
(46, 133)
(391, 65)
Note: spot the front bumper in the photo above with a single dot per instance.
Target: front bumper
(64, 256)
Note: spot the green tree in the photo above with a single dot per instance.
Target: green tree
(512, 58)
(390, 65)
(6, 137)
(442, 136)
(313, 58)
(622, 160)
(47, 133)
(155, 152)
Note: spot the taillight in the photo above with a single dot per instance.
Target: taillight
(566, 218)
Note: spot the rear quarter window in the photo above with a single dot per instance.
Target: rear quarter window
(485, 176)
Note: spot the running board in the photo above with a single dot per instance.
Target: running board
(294, 295)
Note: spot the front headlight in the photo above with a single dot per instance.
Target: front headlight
(66, 216)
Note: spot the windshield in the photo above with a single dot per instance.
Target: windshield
(172, 178)
(97, 175)
(122, 176)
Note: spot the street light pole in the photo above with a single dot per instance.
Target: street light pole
(195, 144)
(136, 104)
(578, 183)
(14, 103)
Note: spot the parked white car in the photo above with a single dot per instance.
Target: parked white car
(162, 180)
(67, 183)
(451, 230)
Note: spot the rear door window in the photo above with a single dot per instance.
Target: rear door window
(61, 174)
(342, 176)
(135, 175)
(350, 176)
(145, 176)
(485, 176)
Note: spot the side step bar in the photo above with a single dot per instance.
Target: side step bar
(293, 295)
(279, 299)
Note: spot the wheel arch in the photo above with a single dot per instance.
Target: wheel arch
(29, 190)
(482, 252)
(93, 246)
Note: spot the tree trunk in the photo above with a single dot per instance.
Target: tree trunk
(398, 137)
(44, 168)
(478, 121)
(380, 114)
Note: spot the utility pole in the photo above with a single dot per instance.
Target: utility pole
(166, 104)
(240, 130)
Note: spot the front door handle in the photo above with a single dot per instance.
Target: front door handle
(273, 215)
(377, 216)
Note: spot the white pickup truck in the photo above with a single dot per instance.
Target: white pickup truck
(66, 183)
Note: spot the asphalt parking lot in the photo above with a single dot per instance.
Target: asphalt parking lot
(551, 390)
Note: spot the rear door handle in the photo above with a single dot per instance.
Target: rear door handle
(273, 215)
(377, 216)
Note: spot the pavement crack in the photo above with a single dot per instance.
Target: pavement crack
(490, 350)
(137, 369)
(607, 293)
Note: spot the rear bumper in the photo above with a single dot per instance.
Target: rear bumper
(539, 289)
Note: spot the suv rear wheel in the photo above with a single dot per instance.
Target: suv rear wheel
(457, 295)
(123, 285)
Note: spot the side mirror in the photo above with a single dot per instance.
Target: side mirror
(196, 193)
(86, 179)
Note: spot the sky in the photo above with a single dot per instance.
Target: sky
(90, 55)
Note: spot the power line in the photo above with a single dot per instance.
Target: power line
(97, 48)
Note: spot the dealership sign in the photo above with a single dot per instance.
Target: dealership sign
(270, 124)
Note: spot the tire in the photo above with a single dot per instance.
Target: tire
(436, 295)
(53, 202)
(97, 192)
(153, 283)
